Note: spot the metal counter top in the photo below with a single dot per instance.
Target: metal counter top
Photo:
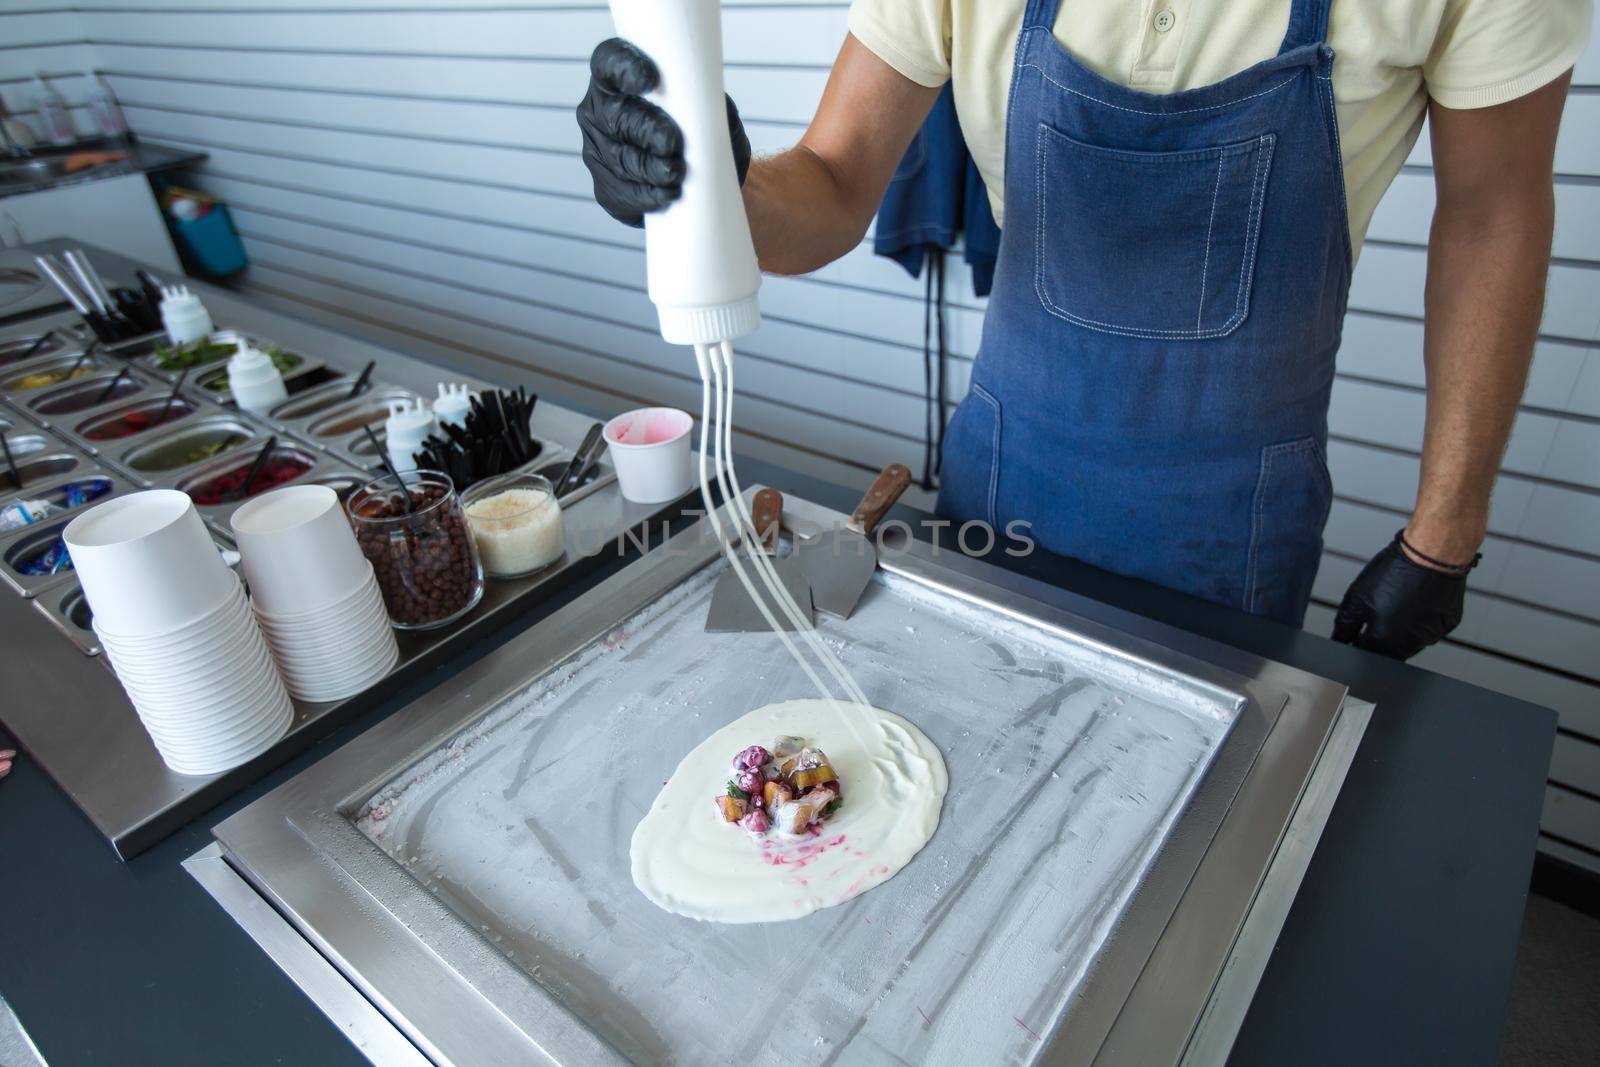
(144, 157)
(1398, 948)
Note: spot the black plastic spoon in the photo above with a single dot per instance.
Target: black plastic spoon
(16, 475)
(255, 468)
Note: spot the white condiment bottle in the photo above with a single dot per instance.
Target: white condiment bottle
(185, 318)
(53, 115)
(254, 379)
(405, 430)
(455, 401)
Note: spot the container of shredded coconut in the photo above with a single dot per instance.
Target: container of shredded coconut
(516, 522)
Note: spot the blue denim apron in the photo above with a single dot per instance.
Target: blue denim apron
(1151, 393)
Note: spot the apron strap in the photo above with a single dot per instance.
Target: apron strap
(1043, 13)
(1308, 24)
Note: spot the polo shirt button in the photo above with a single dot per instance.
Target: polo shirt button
(1165, 20)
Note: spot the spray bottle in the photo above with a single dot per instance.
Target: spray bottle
(700, 260)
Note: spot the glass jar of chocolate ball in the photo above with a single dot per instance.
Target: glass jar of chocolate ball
(420, 547)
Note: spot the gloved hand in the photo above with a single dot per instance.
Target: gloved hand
(1398, 607)
(633, 149)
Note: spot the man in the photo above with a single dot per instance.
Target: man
(1182, 187)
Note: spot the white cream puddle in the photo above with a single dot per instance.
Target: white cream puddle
(686, 859)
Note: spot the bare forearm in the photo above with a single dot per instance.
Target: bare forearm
(812, 204)
(1485, 294)
(1488, 255)
(801, 215)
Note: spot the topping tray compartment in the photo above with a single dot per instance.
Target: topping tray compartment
(215, 487)
(74, 401)
(27, 379)
(69, 613)
(166, 459)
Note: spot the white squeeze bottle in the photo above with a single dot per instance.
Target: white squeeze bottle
(701, 262)
(254, 380)
(58, 128)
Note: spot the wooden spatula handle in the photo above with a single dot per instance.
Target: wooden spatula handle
(881, 496)
(766, 511)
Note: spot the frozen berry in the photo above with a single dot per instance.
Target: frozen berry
(753, 757)
(756, 822)
(749, 781)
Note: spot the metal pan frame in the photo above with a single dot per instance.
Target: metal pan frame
(460, 1001)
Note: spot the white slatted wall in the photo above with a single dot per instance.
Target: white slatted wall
(409, 169)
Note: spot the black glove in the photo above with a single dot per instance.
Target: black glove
(633, 149)
(1397, 607)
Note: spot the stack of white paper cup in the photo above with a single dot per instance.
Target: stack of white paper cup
(176, 626)
(314, 593)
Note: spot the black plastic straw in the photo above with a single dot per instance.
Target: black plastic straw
(123, 373)
(38, 345)
(255, 468)
(87, 352)
(172, 396)
(16, 475)
(361, 381)
(383, 457)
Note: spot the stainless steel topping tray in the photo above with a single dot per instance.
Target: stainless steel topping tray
(68, 612)
(120, 782)
(18, 544)
(13, 375)
(71, 428)
(57, 419)
(1118, 790)
(11, 350)
(218, 514)
(45, 469)
(291, 415)
(323, 426)
(84, 471)
(190, 430)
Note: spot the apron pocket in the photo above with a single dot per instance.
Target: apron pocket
(969, 482)
(1292, 498)
(1149, 244)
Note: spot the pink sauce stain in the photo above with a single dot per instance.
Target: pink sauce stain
(1026, 1027)
(924, 1015)
(649, 428)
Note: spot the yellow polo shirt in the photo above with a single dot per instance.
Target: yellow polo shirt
(1390, 56)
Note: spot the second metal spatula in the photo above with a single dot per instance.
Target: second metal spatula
(732, 610)
(839, 563)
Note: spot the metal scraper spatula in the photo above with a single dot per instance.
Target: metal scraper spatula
(732, 610)
(839, 563)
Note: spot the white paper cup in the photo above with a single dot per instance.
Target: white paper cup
(304, 664)
(649, 449)
(205, 637)
(196, 698)
(360, 614)
(320, 689)
(146, 563)
(297, 549)
(348, 604)
(246, 749)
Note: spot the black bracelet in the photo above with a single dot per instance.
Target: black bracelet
(1453, 568)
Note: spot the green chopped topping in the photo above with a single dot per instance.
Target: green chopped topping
(833, 806)
(735, 791)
